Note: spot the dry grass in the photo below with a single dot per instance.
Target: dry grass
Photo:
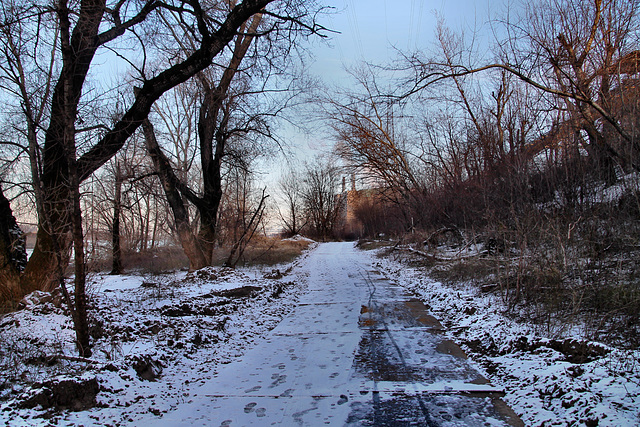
(264, 251)
(155, 261)
(158, 260)
(587, 277)
(269, 251)
(261, 251)
(478, 270)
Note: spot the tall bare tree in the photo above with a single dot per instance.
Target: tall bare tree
(292, 212)
(368, 127)
(233, 118)
(582, 54)
(322, 202)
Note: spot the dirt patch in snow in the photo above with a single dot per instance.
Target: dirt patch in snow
(75, 394)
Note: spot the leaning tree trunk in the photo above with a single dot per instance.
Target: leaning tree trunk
(170, 182)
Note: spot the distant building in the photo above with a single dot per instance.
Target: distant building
(349, 224)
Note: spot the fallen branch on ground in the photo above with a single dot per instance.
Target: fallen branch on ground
(435, 257)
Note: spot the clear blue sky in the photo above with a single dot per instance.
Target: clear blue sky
(369, 30)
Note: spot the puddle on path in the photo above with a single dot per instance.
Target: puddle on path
(418, 376)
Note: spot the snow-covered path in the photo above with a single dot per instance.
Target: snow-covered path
(355, 351)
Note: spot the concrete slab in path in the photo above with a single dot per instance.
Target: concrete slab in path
(355, 351)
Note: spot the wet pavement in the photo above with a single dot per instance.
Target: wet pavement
(356, 351)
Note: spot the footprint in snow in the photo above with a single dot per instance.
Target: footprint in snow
(287, 392)
(278, 379)
(249, 407)
(252, 389)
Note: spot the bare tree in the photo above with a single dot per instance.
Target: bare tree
(249, 228)
(214, 133)
(236, 102)
(97, 25)
(129, 174)
(125, 200)
(291, 214)
(84, 28)
(368, 128)
(321, 197)
(28, 61)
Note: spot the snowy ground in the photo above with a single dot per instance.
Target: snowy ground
(154, 338)
(159, 339)
(548, 382)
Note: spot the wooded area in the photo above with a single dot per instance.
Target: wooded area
(68, 127)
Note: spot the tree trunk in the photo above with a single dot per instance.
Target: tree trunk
(208, 224)
(13, 256)
(78, 48)
(154, 234)
(116, 263)
(50, 255)
(169, 182)
(603, 156)
(80, 297)
(211, 160)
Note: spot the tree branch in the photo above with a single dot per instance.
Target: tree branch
(436, 76)
(169, 78)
